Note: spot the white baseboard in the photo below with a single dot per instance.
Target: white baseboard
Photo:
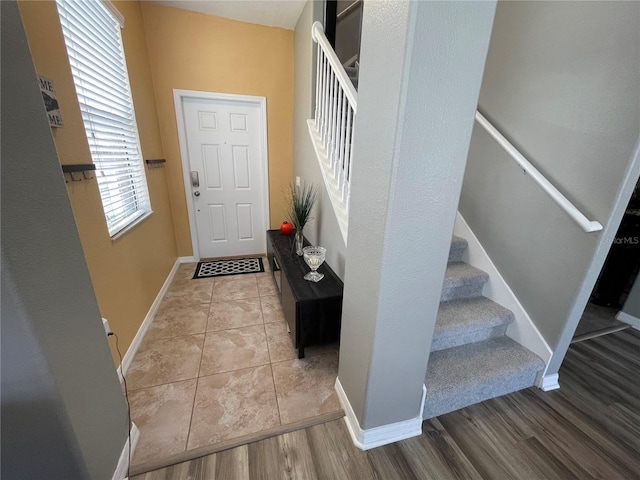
(186, 259)
(629, 319)
(550, 382)
(137, 340)
(378, 436)
(522, 329)
(123, 462)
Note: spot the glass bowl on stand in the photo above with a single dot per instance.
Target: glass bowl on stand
(314, 256)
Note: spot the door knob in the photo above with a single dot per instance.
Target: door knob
(196, 193)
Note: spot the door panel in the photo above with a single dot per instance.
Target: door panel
(244, 216)
(224, 146)
(217, 224)
(212, 167)
(241, 168)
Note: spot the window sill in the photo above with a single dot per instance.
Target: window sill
(131, 226)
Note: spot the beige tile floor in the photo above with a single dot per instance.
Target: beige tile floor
(217, 363)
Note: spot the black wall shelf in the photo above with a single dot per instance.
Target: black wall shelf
(78, 167)
(82, 168)
(154, 163)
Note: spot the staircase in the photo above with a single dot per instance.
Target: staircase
(352, 73)
(472, 359)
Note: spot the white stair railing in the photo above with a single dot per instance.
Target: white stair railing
(332, 128)
(562, 201)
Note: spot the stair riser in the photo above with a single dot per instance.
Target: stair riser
(436, 405)
(455, 339)
(456, 253)
(459, 292)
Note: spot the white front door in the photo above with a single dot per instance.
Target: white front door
(226, 177)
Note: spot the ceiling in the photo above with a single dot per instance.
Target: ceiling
(273, 13)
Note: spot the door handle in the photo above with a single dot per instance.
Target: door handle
(195, 181)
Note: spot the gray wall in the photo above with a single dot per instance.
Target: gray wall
(632, 305)
(63, 413)
(411, 136)
(562, 83)
(324, 229)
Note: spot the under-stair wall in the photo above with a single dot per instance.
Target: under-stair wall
(566, 94)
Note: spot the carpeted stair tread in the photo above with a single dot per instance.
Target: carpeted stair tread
(458, 246)
(469, 320)
(468, 374)
(351, 71)
(461, 280)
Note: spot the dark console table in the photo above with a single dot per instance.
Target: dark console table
(312, 310)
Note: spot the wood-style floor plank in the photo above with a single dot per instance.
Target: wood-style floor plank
(390, 462)
(232, 463)
(566, 438)
(297, 455)
(265, 461)
(335, 455)
(546, 463)
(486, 444)
(436, 455)
(589, 429)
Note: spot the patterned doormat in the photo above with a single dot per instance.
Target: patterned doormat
(220, 268)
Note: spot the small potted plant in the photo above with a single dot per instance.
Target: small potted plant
(302, 201)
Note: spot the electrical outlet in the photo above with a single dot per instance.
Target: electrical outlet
(297, 181)
(107, 328)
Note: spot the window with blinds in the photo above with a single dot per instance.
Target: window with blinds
(94, 45)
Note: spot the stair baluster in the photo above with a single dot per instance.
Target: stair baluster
(332, 128)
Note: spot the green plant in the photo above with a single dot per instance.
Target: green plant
(301, 205)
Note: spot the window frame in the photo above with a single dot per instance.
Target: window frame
(129, 195)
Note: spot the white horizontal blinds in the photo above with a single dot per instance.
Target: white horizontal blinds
(94, 44)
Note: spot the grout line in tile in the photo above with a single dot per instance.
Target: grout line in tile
(178, 306)
(268, 348)
(275, 393)
(231, 300)
(204, 342)
(193, 407)
(195, 393)
(237, 369)
(175, 336)
(273, 379)
(233, 371)
(236, 328)
(160, 384)
(305, 357)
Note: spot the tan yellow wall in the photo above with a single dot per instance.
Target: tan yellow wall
(128, 272)
(194, 51)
